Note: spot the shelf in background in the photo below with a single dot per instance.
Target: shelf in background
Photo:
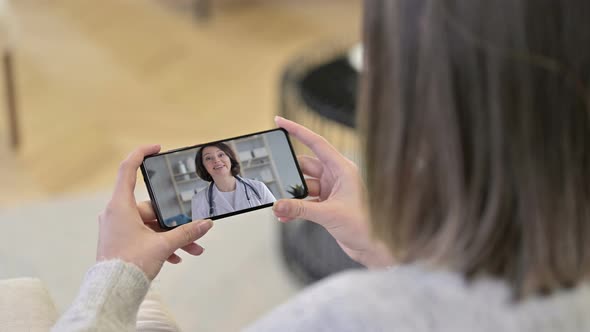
(189, 200)
(174, 153)
(257, 165)
(192, 174)
(249, 161)
(195, 179)
(248, 139)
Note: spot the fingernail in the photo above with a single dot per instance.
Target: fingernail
(205, 225)
(280, 207)
(277, 118)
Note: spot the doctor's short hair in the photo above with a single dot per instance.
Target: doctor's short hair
(200, 167)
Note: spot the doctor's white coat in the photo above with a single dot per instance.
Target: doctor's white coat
(200, 202)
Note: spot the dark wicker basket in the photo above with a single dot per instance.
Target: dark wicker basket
(318, 90)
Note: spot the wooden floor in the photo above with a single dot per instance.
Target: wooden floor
(97, 78)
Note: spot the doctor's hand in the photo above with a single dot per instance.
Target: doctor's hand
(130, 232)
(340, 194)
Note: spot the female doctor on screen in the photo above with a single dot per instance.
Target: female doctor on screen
(227, 191)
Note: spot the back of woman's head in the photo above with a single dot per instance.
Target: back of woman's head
(477, 120)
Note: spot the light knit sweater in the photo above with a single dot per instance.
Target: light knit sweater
(406, 298)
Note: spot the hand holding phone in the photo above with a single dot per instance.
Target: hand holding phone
(126, 229)
(340, 205)
(222, 178)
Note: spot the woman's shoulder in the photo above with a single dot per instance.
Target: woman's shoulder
(415, 297)
(414, 283)
(377, 300)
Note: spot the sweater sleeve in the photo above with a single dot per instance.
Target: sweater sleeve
(109, 299)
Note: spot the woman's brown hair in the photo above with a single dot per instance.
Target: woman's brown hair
(202, 171)
(477, 123)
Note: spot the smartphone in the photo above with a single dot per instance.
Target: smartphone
(222, 178)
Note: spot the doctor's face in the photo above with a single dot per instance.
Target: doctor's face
(216, 161)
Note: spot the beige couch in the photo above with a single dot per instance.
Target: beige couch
(25, 305)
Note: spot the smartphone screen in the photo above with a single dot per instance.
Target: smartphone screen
(222, 178)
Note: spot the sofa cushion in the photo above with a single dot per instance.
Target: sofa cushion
(25, 305)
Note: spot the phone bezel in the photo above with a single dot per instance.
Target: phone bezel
(153, 197)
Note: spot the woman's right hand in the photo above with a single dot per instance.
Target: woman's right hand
(340, 194)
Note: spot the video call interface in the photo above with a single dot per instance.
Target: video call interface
(222, 178)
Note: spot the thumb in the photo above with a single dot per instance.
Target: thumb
(297, 208)
(187, 233)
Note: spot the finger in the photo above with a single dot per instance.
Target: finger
(187, 233)
(193, 249)
(313, 187)
(146, 211)
(174, 259)
(298, 209)
(324, 150)
(153, 225)
(287, 219)
(311, 166)
(128, 172)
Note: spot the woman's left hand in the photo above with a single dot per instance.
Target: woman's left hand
(130, 232)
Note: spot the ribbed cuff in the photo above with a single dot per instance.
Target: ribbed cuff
(116, 284)
(109, 299)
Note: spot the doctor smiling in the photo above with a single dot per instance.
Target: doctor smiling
(227, 191)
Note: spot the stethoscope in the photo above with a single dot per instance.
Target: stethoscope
(246, 186)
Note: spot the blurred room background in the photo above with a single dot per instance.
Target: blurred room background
(88, 81)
